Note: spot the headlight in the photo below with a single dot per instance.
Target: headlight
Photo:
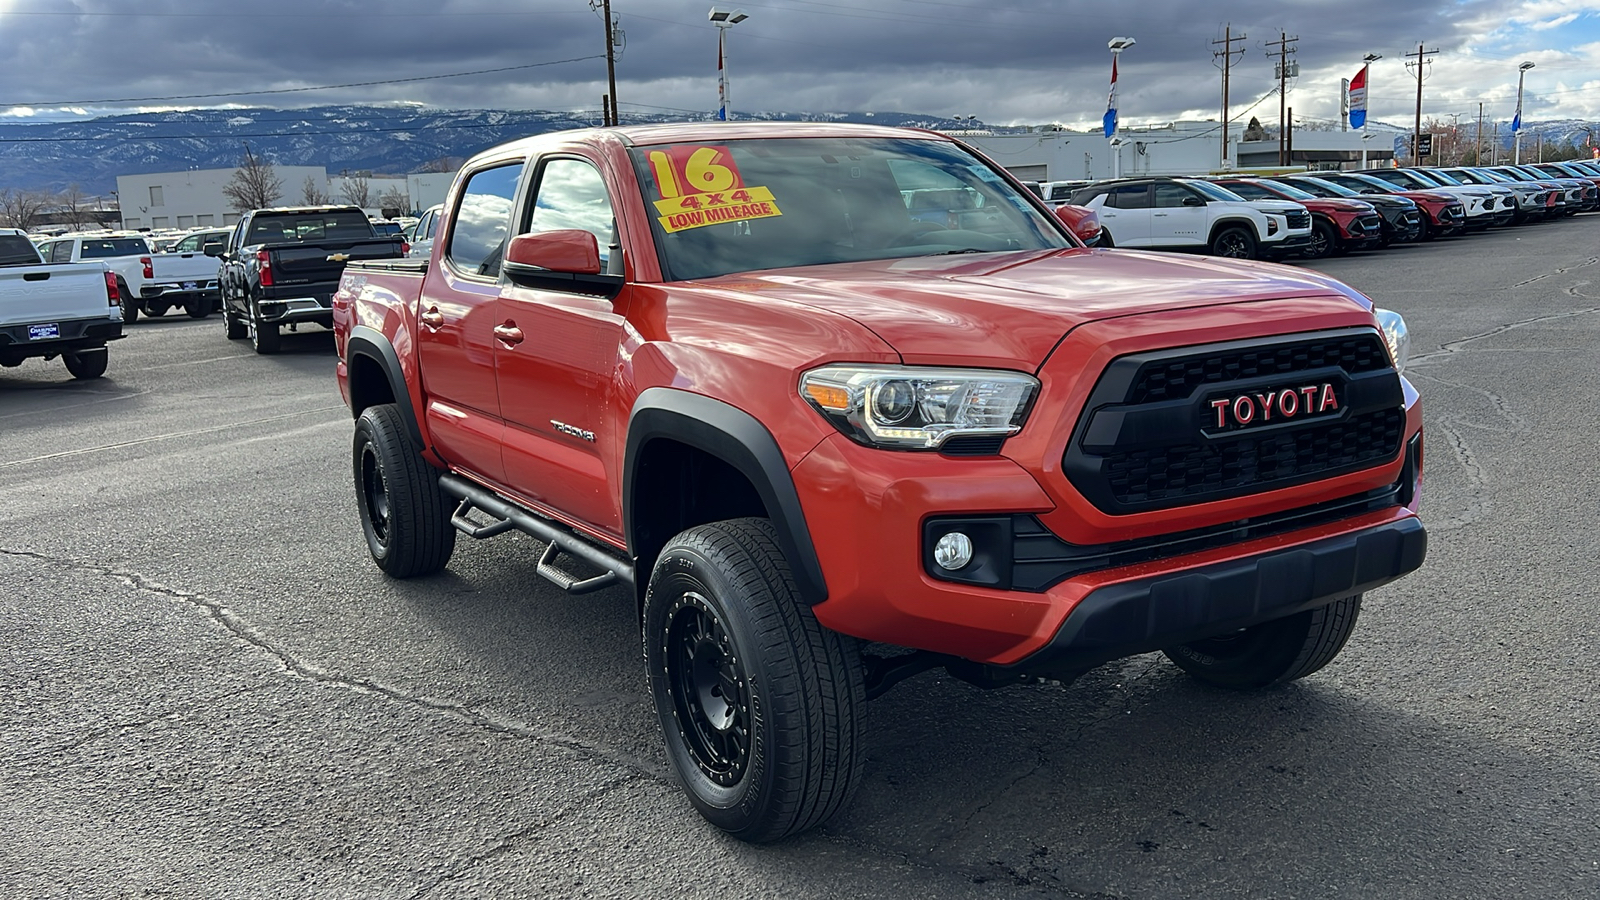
(912, 408)
(1395, 335)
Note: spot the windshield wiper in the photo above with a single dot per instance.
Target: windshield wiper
(964, 250)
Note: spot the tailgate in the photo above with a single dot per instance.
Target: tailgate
(324, 261)
(183, 267)
(55, 293)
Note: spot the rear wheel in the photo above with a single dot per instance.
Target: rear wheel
(1272, 652)
(264, 336)
(1234, 243)
(130, 303)
(761, 707)
(405, 516)
(86, 364)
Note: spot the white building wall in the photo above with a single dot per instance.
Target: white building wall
(194, 197)
(1184, 148)
(429, 188)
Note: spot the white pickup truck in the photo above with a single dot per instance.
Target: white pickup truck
(123, 254)
(65, 310)
(184, 276)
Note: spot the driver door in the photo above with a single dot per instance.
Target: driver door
(1178, 217)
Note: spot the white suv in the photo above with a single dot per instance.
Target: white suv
(1189, 214)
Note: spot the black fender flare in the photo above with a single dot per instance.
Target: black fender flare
(738, 439)
(1234, 221)
(371, 343)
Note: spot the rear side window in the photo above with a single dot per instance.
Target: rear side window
(483, 220)
(1129, 196)
(61, 251)
(16, 250)
(309, 227)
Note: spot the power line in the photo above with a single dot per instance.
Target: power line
(300, 90)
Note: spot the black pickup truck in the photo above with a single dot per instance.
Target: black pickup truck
(283, 265)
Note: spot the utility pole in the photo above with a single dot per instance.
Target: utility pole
(1227, 54)
(610, 103)
(1477, 139)
(1285, 45)
(1421, 64)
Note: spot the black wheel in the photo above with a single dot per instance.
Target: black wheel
(404, 514)
(198, 308)
(1234, 243)
(1324, 241)
(264, 336)
(154, 310)
(1105, 238)
(1272, 652)
(762, 708)
(130, 303)
(86, 364)
(1425, 230)
(232, 327)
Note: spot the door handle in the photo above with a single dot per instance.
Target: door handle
(509, 334)
(432, 318)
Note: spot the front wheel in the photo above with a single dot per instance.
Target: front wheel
(761, 707)
(1234, 243)
(231, 326)
(1324, 241)
(86, 364)
(405, 515)
(155, 310)
(1273, 652)
(198, 308)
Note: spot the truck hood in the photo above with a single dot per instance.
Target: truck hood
(1011, 309)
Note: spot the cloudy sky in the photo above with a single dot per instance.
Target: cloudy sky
(1005, 61)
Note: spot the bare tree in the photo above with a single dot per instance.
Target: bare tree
(356, 191)
(22, 209)
(394, 201)
(73, 204)
(442, 164)
(254, 184)
(313, 193)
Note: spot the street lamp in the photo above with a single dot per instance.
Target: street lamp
(724, 19)
(1516, 123)
(1366, 63)
(1116, 45)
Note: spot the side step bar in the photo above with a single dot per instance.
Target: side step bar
(558, 538)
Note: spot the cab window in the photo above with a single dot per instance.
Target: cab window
(1170, 195)
(483, 219)
(572, 195)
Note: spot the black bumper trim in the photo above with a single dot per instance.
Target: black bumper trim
(1165, 610)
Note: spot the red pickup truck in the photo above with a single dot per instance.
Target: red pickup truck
(828, 444)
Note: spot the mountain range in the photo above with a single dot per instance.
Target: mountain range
(91, 153)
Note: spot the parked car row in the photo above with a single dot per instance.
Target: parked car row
(1316, 214)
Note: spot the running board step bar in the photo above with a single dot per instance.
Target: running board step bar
(558, 538)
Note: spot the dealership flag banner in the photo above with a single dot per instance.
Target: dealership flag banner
(1111, 102)
(1358, 99)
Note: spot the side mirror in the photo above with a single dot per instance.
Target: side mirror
(565, 260)
(1193, 201)
(1082, 221)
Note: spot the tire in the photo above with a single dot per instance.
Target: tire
(263, 337)
(1234, 243)
(405, 516)
(155, 310)
(198, 308)
(1273, 652)
(130, 303)
(86, 364)
(1105, 239)
(722, 615)
(1324, 241)
(232, 327)
(1425, 230)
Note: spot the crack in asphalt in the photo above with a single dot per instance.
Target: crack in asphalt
(1479, 504)
(224, 617)
(121, 728)
(507, 842)
(1449, 348)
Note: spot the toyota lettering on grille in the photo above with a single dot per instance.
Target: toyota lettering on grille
(1286, 403)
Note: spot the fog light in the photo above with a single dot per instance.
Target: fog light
(952, 551)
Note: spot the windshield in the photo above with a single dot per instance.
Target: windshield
(1441, 177)
(1213, 192)
(1289, 190)
(774, 203)
(1326, 188)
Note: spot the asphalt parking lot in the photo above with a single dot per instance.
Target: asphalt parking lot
(207, 689)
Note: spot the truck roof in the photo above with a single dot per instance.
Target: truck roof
(680, 132)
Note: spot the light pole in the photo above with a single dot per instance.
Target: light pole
(1116, 45)
(724, 19)
(1516, 123)
(1358, 102)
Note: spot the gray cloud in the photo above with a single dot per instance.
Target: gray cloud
(1007, 61)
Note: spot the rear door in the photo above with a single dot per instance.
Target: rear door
(455, 322)
(557, 368)
(1126, 215)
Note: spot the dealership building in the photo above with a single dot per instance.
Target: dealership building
(194, 198)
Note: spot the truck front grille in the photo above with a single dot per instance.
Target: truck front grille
(1151, 436)
(1299, 219)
